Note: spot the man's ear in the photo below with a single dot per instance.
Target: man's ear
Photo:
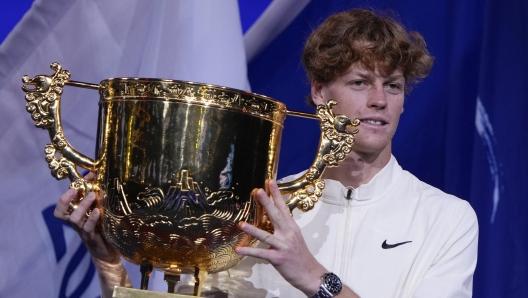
(317, 93)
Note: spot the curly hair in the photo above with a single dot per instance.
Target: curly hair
(377, 41)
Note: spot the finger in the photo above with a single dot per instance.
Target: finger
(61, 209)
(274, 214)
(261, 235)
(78, 216)
(90, 176)
(260, 253)
(279, 202)
(278, 199)
(91, 221)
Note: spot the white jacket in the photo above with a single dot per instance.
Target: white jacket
(347, 235)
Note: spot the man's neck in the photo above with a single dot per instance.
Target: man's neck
(358, 168)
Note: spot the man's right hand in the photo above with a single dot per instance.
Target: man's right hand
(106, 260)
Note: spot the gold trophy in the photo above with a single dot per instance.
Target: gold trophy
(176, 163)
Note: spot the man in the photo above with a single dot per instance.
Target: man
(378, 229)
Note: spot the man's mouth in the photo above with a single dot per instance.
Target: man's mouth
(373, 122)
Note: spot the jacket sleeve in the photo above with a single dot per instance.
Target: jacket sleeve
(451, 274)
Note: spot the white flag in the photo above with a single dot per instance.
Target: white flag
(195, 40)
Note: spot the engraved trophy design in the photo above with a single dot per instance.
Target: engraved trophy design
(175, 165)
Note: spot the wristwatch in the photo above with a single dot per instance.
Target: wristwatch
(331, 285)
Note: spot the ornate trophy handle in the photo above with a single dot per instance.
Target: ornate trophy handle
(43, 103)
(335, 143)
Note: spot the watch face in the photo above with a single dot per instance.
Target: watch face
(332, 283)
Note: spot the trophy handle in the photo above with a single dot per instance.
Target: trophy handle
(43, 103)
(334, 145)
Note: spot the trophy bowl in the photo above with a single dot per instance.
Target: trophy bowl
(176, 163)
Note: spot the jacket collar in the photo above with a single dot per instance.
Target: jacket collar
(375, 189)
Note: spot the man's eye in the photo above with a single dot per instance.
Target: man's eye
(358, 83)
(394, 86)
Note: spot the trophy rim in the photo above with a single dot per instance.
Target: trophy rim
(199, 84)
(190, 92)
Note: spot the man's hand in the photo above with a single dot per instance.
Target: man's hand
(86, 226)
(288, 251)
(106, 260)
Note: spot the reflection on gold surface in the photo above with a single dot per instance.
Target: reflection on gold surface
(199, 225)
(176, 163)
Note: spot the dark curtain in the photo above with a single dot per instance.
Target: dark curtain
(464, 128)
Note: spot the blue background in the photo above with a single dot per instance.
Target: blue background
(480, 50)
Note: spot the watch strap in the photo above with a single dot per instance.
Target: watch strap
(323, 293)
(330, 286)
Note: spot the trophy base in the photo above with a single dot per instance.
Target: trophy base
(120, 292)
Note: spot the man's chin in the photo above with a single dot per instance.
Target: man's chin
(369, 151)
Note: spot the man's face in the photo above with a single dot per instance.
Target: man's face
(374, 99)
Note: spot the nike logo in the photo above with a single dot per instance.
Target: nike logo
(384, 245)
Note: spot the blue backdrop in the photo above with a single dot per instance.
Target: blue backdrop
(463, 129)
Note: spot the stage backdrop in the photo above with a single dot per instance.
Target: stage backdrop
(463, 129)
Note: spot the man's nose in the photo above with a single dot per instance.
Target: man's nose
(377, 98)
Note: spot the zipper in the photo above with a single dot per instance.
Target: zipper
(345, 248)
(348, 229)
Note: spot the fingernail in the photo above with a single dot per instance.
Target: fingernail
(241, 224)
(72, 191)
(239, 250)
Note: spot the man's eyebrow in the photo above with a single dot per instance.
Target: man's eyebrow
(368, 75)
(364, 74)
(395, 77)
